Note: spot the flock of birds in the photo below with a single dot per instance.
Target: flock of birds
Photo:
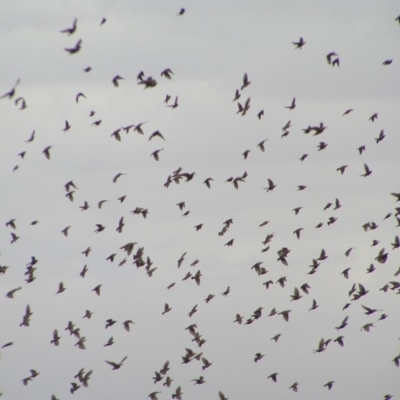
(134, 253)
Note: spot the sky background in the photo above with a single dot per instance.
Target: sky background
(208, 48)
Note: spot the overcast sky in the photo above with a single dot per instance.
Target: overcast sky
(209, 48)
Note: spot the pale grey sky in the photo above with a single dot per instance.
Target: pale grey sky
(208, 48)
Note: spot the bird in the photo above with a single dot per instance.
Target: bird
(373, 117)
(153, 395)
(83, 272)
(14, 237)
(314, 305)
(181, 12)
(116, 177)
(303, 157)
(206, 363)
(110, 342)
(343, 324)
(56, 338)
(76, 48)
(22, 101)
(70, 31)
(155, 154)
(74, 387)
(78, 96)
(342, 169)
(261, 145)
(192, 311)
(285, 314)
(11, 223)
(46, 152)
(26, 317)
(321, 346)
(167, 308)
(97, 290)
(246, 81)
(116, 365)
(329, 385)
(116, 80)
(321, 146)
(299, 44)
(167, 73)
(293, 105)
(61, 288)
(367, 171)
(387, 62)
(294, 387)
(238, 319)
(329, 57)
(380, 137)
(347, 112)
(149, 82)
(199, 381)
(31, 138)
(222, 396)
(271, 186)
(297, 232)
(11, 293)
(226, 292)
(10, 94)
(156, 134)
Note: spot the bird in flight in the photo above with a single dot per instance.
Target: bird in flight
(70, 31)
(10, 94)
(76, 48)
(300, 43)
(293, 105)
(246, 82)
(117, 365)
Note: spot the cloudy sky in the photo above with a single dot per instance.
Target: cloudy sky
(209, 48)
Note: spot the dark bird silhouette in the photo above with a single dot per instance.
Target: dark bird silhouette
(46, 152)
(117, 365)
(329, 57)
(116, 80)
(71, 30)
(167, 73)
(380, 137)
(32, 137)
(11, 93)
(246, 82)
(347, 112)
(373, 117)
(80, 94)
(300, 43)
(76, 48)
(367, 171)
(293, 105)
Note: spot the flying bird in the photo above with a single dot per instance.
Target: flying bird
(117, 365)
(300, 43)
(293, 105)
(76, 48)
(71, 30)
(246, 82)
